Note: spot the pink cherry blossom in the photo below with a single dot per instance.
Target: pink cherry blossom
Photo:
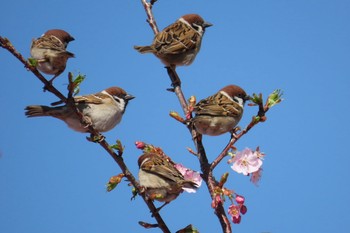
(234, 212)
(189, 175)
(247, 161)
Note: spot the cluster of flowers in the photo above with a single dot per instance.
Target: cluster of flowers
(235, 210)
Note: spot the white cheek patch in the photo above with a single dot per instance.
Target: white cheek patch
(239, 101)
(236, 98)
(145, 160)
(120, 104)
(199, 30)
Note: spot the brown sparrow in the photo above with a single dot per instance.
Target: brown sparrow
(50, 51)
(161, 180)
(179, 43)
(104, 110)
(221, 112)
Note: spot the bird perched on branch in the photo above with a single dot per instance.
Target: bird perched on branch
(221, 112)
(50, 52)
(161, 180)
(179, 43)
(103, 110)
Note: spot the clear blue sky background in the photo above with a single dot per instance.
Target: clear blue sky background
(53, 180)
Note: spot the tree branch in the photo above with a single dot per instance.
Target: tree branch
(6, 44)
(208, 177)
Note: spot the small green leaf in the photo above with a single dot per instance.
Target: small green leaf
(110, 186)
(256, 119)
(77, 81)
(274, 98)
(118, 147)
(189, 229)
(114, 181)
(257, 99)
(134, 193)
(33, 62)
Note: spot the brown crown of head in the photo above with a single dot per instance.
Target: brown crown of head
(197, 20)
(117, 91)
(233, 90)
(62, 35)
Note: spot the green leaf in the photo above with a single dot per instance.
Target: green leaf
(77, 81)
(257, 99)
(274, 98)
(134, 193)
(111, 186)
(188, 229)
(114, 181)
(33, 62)
(118, 147)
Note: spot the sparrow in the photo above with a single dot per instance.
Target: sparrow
(219, 113)
(179, 43)
(161, 180)
(50, 52)
(103, 110)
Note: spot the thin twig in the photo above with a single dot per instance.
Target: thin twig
(150, 19)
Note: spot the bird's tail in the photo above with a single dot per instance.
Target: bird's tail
(190, 186)
(144, 49)
(39, 110)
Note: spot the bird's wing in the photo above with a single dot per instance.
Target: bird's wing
(163, 168)
(90, 99)
(176, 38)
(217, 105)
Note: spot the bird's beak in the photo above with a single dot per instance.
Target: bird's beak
(247, 97)
(129, 97)
(207, 24)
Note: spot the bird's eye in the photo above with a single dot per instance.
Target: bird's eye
(117, 99)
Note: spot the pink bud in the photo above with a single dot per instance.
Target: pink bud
(243, 209)
(236, 220)
(140, 145)
(240, 199)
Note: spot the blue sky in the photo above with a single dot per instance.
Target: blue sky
(53, 180)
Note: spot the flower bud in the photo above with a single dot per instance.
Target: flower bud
(243, 209)
(240, 199)
(236, 220)
(140, 145)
